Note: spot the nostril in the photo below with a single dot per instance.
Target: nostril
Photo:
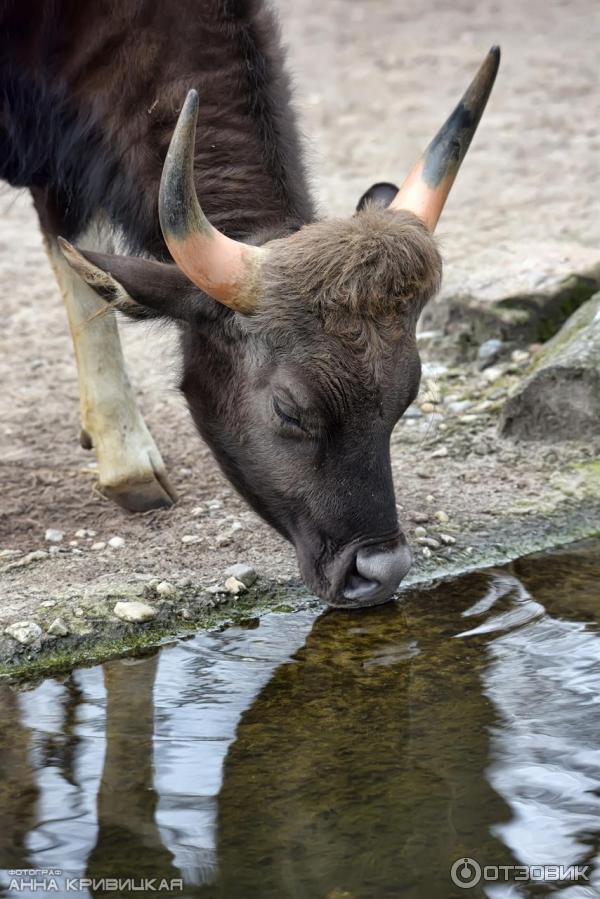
(376, 572)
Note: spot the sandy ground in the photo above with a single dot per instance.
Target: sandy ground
(374, 81)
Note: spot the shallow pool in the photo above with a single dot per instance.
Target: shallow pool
(341, 756)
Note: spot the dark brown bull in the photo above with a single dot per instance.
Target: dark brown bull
(298, 336)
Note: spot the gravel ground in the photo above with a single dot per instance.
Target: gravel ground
(374, 81)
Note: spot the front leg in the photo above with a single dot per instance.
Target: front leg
(130, 468)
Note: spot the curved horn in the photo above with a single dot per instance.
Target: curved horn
(427, 187)
(225, 269)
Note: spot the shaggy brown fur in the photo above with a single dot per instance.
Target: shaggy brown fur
(366, 278)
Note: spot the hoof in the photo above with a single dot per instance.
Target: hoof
(141, 496)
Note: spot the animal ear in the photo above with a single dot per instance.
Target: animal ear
(380, 194)
(139, 288)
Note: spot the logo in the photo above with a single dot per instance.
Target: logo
(465, 873)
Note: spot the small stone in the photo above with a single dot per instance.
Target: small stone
(442, 517)
(185, 614)
(428, 541)
(222, 539)
(233, 586)
(457, 407)
(47, 604)
(98, 546)
(489, 352)
(164, 588)
(73, 542)
(441, 453)
(58, 628)
(84, 532)
(485, 406)
(430, 498)
(493, 374)
(418, 517)
(189, 539)
(447, 539)
(79, 613)
(134, 611)
(426, 552)
(215, 589)
(197, 511)
(243, 572)
(214, 504)
(469, 550)
(519, 356)
(53, 535)
(427, 408)
(24, 632)
(116, 542)
(420, 532)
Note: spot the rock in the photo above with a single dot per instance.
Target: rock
(185, 614)
(442, 517)
(134, 611)
(447, 540)
(427, 408)
(214, 505)
(53, 535)
(24, 632)
(420, 532)
(116, 542)
(189, 539)
(492, 374)
(440, 453)
(84, 532)
(457, 407)
(418, 517)
(243, 572)
(489, 352)
(428, 541)
(519, 356)
(98, 546)
(166, 589)
(47, 604)
(560, 400)
(427, 552)
(58, 628)
(233, 586)
(513, 291)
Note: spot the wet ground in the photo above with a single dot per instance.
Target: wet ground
(342, 756)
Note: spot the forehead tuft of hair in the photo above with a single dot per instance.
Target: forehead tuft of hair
(378, 268)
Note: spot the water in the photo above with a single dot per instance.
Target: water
(346, 756)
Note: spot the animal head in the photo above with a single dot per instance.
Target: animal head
(299, 355)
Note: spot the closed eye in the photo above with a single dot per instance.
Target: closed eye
(287, 417)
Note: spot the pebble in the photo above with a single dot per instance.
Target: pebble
(427, 408)
(214, 504)
(469, 550)
(116, 542)
(191, 538)
(493, 374)
(79, 613)
(58, 628)
(185, 614)
(53, 535)
(426, 552)
(73, 542)
(442, 517)
(47, 604)
(519, 356)
(198, 510)
(223, 539)
(418, 517)
(489, 352)
(420, 532)
(134, 611)
(98, 546)
(233, 586)
(215, 589)
(243, 572)
(440, 453)
(164, 588)
(457, 407)
(430, 498)
(447, 539)
(429, 541)
(24, 632)
(84, 532)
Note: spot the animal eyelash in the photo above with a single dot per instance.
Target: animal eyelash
(287, 419)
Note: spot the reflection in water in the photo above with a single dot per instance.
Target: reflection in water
(355, 755)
